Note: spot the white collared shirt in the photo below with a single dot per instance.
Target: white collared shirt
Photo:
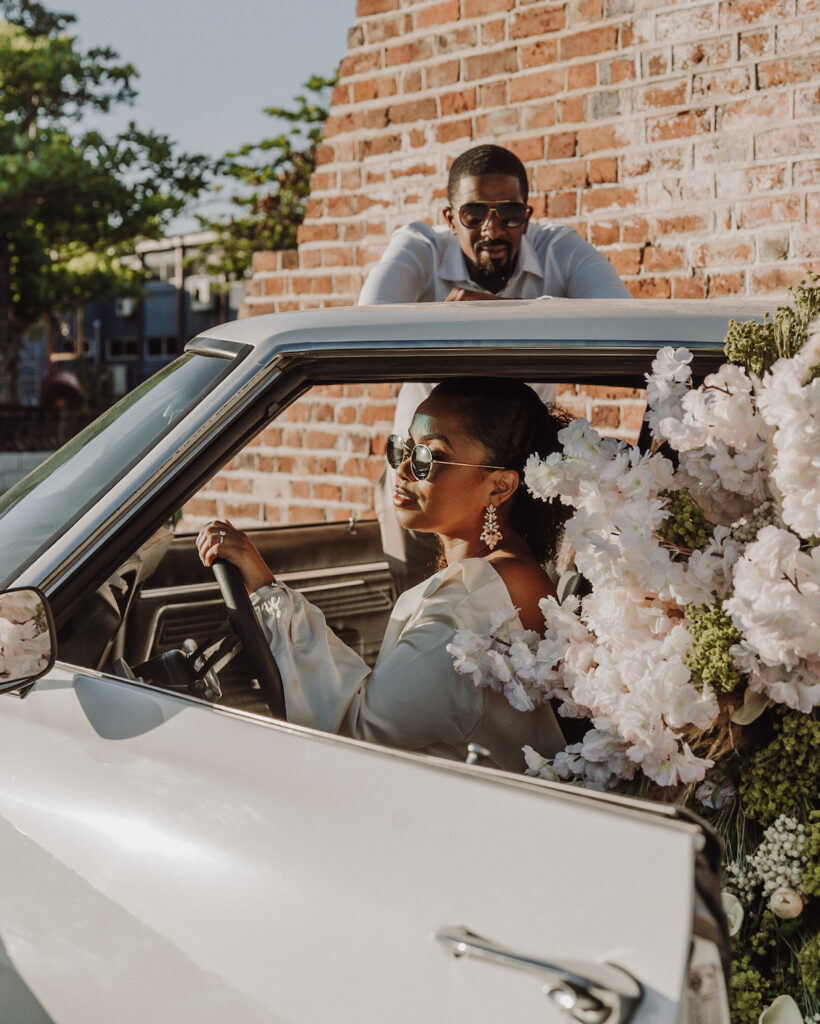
(423, 264)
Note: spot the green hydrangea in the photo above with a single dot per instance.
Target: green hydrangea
(756, 346)
(749, 991)
(783, 776)
(808, 961)
(686, 526)
(811, 848)
(713, 633)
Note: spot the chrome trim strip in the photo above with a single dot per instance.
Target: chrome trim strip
(158, 593)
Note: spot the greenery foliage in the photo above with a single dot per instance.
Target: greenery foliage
(268, 184)
(756, 346)
(72, 201)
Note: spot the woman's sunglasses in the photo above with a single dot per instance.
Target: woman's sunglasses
(511, 215)
(421, 458)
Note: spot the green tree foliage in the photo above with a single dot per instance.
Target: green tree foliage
(268, 184)
(72, 201)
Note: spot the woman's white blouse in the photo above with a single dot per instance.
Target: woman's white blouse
(413, 698)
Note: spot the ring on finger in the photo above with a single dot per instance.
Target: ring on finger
(221, 536)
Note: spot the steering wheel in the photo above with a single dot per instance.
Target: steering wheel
(246, 626)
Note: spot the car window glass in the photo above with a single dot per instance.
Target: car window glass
(45, 503)
(315, 463)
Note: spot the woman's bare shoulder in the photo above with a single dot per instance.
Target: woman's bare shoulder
(526, 583)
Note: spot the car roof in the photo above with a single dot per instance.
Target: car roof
(647, 322)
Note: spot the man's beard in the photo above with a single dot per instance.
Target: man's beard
(491, 274)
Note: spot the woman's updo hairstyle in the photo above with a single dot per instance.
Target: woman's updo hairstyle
(511, 422)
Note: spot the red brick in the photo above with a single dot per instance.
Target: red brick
(688, 288)
(582, 76)
(497, 122)
(585, 44)
(571, 111)
(703, 53)
(454, 130)
(787, 70)
(616, 71)
(444, 73)
(655, 97)
(537, 21)
(298, 514)
(600, 137)
(535, 85)
(538, 52)
(493, 32)
(540, 116)
(562, 204)
(379, 145)
(602, 169)
(790, 141)
(606, 416)
(385, 28)
(717, 252)
(490, 65)
(769, 210)
(740, 13)
(756, 43)
(750, 180)
(678, 126)
(604, 233)
(755, 111)
(458, 102)
(561, 145)
(682, 224)
(650, 287)
(408, 53)
(494, 94)
(660, 259)
(625, 261)
(360, 63)
(461, 38)
(374, 88)
(364, 8)
(555, 175)
(768, 280)
(691, 23)
(317, 233)
(479, 8)
(438, 14)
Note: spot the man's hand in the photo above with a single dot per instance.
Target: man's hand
(465, 295)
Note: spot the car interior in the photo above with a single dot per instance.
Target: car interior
(161, 617)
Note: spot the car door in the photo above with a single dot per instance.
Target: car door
(167, 860)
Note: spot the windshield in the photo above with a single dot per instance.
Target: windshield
(49, 500)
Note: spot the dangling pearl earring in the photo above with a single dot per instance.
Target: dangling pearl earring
(491, 534)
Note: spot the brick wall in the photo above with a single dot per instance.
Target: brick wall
(681, 137)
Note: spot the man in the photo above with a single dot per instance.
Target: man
(486, 249)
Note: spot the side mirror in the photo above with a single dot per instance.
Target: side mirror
(28, 640)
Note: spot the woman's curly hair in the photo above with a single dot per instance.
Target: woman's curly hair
(511, 422)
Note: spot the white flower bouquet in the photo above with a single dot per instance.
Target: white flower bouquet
(696, 655)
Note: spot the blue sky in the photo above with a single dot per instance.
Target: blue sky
(207, 69)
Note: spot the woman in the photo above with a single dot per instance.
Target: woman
(458, 475)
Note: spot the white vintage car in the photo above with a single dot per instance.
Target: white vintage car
(177, 853)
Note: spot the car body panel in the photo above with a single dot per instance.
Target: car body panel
(167, 858)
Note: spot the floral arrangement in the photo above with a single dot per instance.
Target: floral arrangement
(696, 655)
(25, 642)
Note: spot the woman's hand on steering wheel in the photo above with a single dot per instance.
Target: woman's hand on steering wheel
(222, 540)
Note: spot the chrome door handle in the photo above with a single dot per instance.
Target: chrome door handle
(590, 993)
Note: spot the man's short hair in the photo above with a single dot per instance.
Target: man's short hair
(486, 159)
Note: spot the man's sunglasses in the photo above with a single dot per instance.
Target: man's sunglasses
(511, 215)
(421, 458)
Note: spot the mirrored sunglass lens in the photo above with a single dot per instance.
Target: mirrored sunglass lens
(510, 214)
(421, 460)
(395, 450)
